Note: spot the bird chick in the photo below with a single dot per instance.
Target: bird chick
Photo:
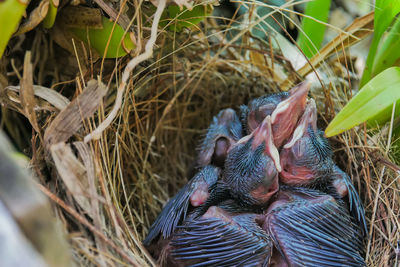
(223, 133)
(311, 228)
(302, 227)
(252, 166)
(194, 194)
(284, 108)
(221, 238)
(306, 160)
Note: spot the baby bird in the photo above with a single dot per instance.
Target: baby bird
(250, 177)
(284, 108)
(306, 160)
(223, 133)
(270, 198)
(311, 228)
(193, 194)
(302, 227)
(252, 166)
(220, 238)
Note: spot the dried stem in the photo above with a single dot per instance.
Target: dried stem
(128, 69)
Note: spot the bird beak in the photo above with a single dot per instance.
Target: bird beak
(263, 133)
(285, 116)
(308, 119)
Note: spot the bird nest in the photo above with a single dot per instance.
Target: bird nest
(108, 192)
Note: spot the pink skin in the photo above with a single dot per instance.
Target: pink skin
(292, 174)
(340, 184)
(227, 116)
(269, 187)
(277, 260)
(285, 116)
(216, 212)
(263, 133)
(265, 191)
(341, 187)
(217, 152)
(293, 152)
(200, 195)
(221, 150)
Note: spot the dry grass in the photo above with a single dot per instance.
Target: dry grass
(145, 156)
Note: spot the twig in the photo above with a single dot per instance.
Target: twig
(128, 69)
(82, 220)
(389, 164)
(122, 20)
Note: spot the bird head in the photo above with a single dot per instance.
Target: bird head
(223, 132)
(252, 166)
(285, 109)
(307, 154)
(259, 108)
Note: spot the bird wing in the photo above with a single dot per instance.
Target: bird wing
(356, 206)
(315, 232)
(217, 242)
(177, 207)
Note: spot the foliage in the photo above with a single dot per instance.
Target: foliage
(373, 102)
(385, 13)
(110, 41)
(380, 83)
(50, 18)
(11, 12)
(312, 28)
(178, 18)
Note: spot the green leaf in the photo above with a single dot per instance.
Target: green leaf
(185, 18)
(373, 103)
(120, 43)
(385, 12)
(11, 12)
(389, 51)
(50, 18)
(312, 34)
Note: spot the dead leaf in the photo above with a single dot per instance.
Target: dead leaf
(63, 37)
(95, 211)
(27, 96)
(35, 17)
(70, 119)
(289, 51)
(56, 3)
(3, 82)
(73, 174)
(81, 17)
(114, 14)
(50, 95)
(87, 158)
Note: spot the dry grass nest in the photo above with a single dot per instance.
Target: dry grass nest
(122, 180)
